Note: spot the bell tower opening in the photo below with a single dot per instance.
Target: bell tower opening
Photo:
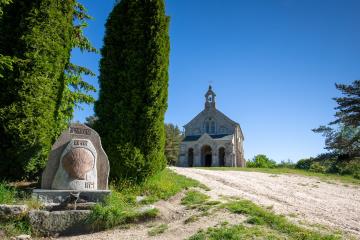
(210, 98)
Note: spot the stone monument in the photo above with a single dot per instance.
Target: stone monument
(77, 166)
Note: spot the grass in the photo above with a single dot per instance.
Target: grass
(194, 197)
(7, 194)
(121, 206)
(236, 232)
(158, 230)
(259, 216)
(14, 228)
(323, 176)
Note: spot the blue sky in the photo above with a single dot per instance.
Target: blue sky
(272, 63)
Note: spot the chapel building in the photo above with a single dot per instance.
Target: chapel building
(212, 139)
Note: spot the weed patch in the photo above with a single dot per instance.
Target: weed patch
(7, 194)
(193, 198)
(260, 216)
(121, 206)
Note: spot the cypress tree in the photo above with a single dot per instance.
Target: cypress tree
(36, 101)
(133, 88)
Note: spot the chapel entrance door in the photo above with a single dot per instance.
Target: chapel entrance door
(206, 155)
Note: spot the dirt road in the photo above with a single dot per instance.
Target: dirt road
(303, 198)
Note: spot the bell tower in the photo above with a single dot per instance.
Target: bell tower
(210, 98)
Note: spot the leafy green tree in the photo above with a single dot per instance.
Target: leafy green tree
(261, 161)
(133, 88)
(40, 87)
(172, 143)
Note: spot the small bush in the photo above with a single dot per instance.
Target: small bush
(317, 167)
(7, 194)
(261, 161)
(286, 164)
(304, 164)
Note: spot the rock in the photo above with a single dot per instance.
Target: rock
(146, 208)
(23, 237)
(140, 199)
(60, 222)
(12, 211)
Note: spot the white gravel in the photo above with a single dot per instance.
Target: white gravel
(308, 198)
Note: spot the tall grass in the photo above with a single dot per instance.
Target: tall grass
(121, 206)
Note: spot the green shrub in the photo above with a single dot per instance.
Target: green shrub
(286, 164)
(304, 164)
(349, 167)
(7, 194)
(261, 161)
(317, 167)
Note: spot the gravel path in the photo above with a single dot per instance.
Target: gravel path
(304, 198)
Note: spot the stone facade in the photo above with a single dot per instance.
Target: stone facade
(212, 139)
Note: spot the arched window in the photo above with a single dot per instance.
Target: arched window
(212, 127)
(207, 127)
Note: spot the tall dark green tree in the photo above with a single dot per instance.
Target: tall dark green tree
(40, 87)
(133, 88)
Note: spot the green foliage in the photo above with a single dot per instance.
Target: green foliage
(286, 164)
(172, 143)
(120, 207)
(117, 210)
(261, 161)
(348, 106)
(39, 86)
(304, 164)
(133, 88)
(193, 198)
(345, 140)
(274, 222)
(15, 228)
(7, 194)
(317, 167)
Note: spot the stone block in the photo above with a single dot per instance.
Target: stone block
(8, 212)
(60, 222)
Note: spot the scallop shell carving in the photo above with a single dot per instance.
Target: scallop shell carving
(77, 162)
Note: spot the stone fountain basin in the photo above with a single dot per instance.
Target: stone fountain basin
(59, 196)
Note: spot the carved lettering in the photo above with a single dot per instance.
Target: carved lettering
(89, 185)
(80, 143)
(82, 131)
